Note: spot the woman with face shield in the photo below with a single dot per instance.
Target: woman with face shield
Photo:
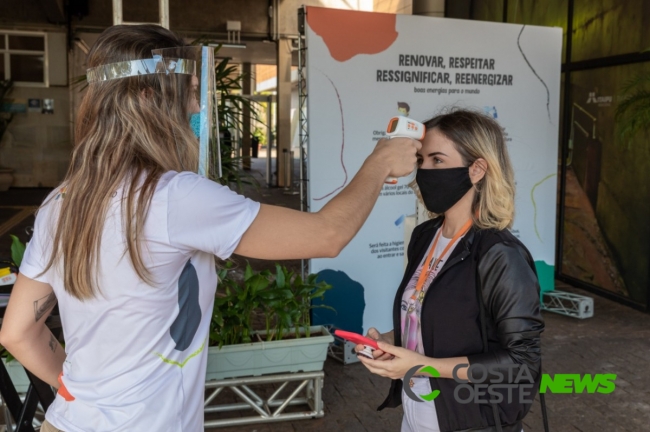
(126, 245)
(469, 299)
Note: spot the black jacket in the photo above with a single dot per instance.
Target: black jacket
(495, 268)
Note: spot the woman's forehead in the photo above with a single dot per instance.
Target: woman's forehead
(436, 141)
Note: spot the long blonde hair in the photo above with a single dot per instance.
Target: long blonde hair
(475, 136)
(129, 131)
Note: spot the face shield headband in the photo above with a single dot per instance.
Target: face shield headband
(155, 65)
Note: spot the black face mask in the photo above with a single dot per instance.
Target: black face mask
(442, 188)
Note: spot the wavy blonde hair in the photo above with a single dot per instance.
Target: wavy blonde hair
(475, 136)
(129, 131)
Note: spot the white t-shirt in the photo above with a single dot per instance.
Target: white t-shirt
(411, 309)
(136, 353)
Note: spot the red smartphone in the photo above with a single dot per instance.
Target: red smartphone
(356, 338)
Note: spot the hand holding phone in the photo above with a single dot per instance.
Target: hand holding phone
(369, 344)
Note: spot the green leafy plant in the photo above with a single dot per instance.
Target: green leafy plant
(17, 250)
(232, 105)
(6, 355)
(296, 310)
(283, 298)
(633, 111)
(233, 310)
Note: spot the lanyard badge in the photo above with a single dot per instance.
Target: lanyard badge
(428, 266)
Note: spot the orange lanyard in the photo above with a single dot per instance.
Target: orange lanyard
(426, 270)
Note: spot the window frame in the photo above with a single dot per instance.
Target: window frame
(6, 53)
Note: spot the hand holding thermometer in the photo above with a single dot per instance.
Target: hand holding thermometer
(406, 128)
(370, 344)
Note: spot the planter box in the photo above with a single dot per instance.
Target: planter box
(17, 374)
(261, 358)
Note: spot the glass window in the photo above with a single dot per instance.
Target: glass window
(22, 58)
(27, 68)
(26, 43)
(605, 239)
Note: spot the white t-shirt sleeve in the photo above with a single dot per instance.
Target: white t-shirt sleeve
(38, 249)
(206, 216)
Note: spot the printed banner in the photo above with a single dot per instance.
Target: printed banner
(364, 68)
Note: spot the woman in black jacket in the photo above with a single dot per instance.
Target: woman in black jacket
(468, 304)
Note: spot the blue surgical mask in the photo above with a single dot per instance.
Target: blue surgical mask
(195, 124)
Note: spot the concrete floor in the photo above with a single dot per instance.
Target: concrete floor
(616, 340)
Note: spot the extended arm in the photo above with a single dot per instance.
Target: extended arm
(281, 233)
(24, 333)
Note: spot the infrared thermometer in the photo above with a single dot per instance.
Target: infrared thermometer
(369, 344)
(404, 127)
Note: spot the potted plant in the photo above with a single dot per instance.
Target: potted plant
(287, 344)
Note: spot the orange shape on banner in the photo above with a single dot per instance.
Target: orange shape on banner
(349, 33)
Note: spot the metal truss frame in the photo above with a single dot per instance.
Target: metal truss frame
(303, 125)
(569, 304)
(267, 410)
(343, 351)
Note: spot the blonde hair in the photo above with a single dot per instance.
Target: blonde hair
(129, 131)
(477, 136)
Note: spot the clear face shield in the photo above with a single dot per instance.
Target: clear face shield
(194, 88)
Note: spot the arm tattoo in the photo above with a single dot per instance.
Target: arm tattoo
(44, 305)
(53, 343)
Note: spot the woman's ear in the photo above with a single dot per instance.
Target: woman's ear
(477, 170)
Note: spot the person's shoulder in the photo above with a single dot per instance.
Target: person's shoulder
(54, 198)
(181, 183)
(177, 178)
(502, 242)
(498, 236)
(190, 188)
